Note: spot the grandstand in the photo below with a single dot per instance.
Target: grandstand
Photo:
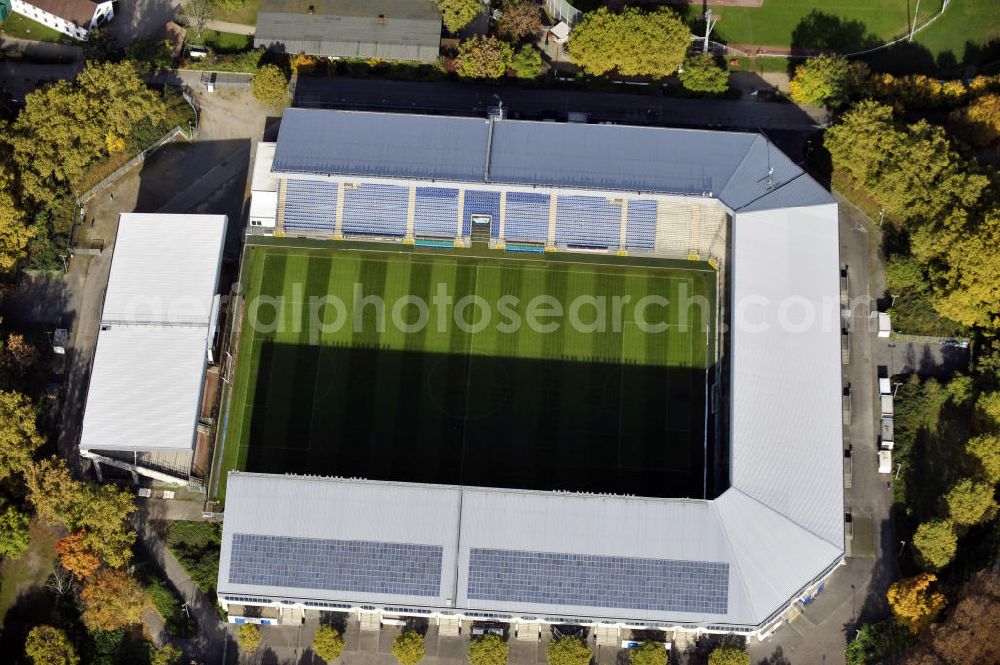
(340, 187)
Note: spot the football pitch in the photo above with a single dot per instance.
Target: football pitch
(550, 372)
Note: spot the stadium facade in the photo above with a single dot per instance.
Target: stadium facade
(734, 562)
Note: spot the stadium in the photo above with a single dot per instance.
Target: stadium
(532, 373)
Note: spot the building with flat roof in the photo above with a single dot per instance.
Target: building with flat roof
(158, 322)
(381, 29)
(733, 561)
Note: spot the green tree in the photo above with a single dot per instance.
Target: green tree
(488, 650)
(728, 654)
(568, 651)
(979, 122)
(456, 14)
(519, 19)
(14, 233)
(936, 543)
(14, 535)
(125, 99)
(959, 389)
(905, 273)
(632, 42)
(51, 489)
(50, 646)
(483, 58)
(701, 74)
(970, 502)
(826, 80)
(968, 277)
(985, 449)
(103, 511)
(168, 654)
(111, 599)
(270, 86)
(408, 647)
(248, 637)
(19, 438)
(648, 653)
(527, 62)
(913, 172)
(328, 643)
(988, 406)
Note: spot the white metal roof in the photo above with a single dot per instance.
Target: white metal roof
(146, 380)
(145, 388)
(165, 269)
(263, 180)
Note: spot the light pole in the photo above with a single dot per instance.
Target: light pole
(913, 25)
(709, 24)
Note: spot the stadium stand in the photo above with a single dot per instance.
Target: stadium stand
(526, 217)
(590, 221)
(375, 210)
(641, 226)
(481, 202)
(436, 212)
(310, 206)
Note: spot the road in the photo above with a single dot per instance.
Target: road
(461, 98)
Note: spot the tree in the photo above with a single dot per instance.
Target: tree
(826, 80)
(648, 653)
(199, 12)
(270, 86)
(904, 273)
(970, 502)
(168, 654)
(328, 643)
(488, 650)
(408, 647)
(19, 438)
(125, 99)
(985, 449)
(103, 511)
(568, 651)
(988, 405)
(50, 646)
(14, 535)
(913, 603)
(527, 63)
(979, 122)
(728, 654)
(632, 42)
(701, 74)
(76, 556)
(968, 277)
(936, 543)
(519, 19)
(51, 489)
(14, 233)
(913, 172)
(111, 600)
(248, 637)
(483, 58)
(456, 14)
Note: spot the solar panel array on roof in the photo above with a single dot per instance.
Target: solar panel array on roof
(552, 578)
(341, 565)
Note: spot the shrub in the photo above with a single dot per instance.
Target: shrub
(408, 647)
(970, 502)
(826, 80)
(488, 650)
(700, 73)
(936, 543)
(648, 653)
(456, 14)
(527, 62)
(914, 605)
(328, 643)
(270, 85)
(519, 19)
(483, 58)
(568, 651)
(248, 637)
(728, 654)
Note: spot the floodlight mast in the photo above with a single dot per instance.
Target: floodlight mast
(709, 24)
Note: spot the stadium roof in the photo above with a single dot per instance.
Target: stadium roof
(383, 29)
(738, 559)
(145, 386)
(739, 169)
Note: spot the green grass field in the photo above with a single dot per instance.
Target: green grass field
(440, 394)
(22, 27)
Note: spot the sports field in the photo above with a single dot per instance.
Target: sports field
(552, 371)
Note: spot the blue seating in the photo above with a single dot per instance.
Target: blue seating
(591, 221)
(436, 212)
(479, 202)
(376, 209)
(311, 206)
(641, 231)
(526, 217)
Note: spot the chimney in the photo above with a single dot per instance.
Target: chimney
(381, 19)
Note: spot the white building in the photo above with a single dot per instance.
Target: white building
(157, 328)
(75, 18)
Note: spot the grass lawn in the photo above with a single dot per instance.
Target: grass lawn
(846, 23)
(974, 22)
(19, 577)
(570, 406)
(224, 42)
(245, 14)
(23, 27)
